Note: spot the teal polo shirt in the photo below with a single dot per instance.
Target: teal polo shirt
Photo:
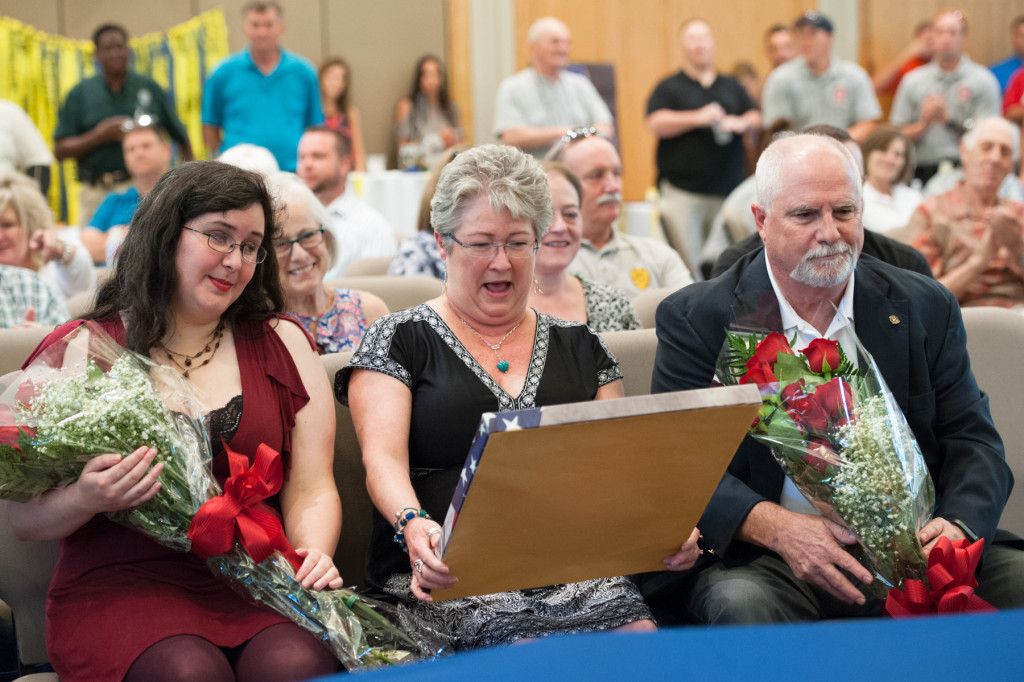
(270, 110)
(92, 101)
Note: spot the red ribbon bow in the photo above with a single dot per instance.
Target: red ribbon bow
(240, 511)
(951, 567)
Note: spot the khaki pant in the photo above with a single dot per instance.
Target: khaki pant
(687, 217)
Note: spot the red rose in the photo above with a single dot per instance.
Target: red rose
(802, 408)
(820, 455)
(770, 347)
(820, 351)
(793, 391)
(835, 398)
(759, 374)
(9, 435)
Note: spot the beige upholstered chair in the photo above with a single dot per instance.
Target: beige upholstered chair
(634, 349)
(368, 266)
(398, 293)
(25, 570)
(646, 304)
(81, 303)
(350, 477)
(17, 344)
(994, 337)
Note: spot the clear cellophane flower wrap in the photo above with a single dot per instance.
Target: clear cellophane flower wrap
(85, 395)
(837, 432)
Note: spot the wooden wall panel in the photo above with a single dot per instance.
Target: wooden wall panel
(82, 18)
(459, 61)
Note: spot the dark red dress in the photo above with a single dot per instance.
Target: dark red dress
(115, 593)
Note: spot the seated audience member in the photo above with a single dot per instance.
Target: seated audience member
(250, 157)
(917, 52)
(937, 102)
(28, 240)
(973, 239)
(420, 254)
(201, 239)
(434, 369)
(339, 113)
(607, 255)
(889, 165)
(336, 318)
(427, 121)
(22, 147)
(147, 156)
(556, 292)
(92, 120)
(1004, 70)
(777, 559)
(536, 105)
(360, 231)
(26, 300)
(816, 88)
(878, 245)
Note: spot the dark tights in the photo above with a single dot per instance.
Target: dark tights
(280, 653)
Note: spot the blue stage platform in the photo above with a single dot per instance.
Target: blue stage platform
(966, 647)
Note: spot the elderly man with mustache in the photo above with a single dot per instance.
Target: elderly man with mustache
(776, 559)
(627, 262)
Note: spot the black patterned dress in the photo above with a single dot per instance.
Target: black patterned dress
(450, 391)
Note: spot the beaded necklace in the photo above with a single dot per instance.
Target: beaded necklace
(186, 367)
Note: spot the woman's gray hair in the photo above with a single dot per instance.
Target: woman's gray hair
(512, 181)
(769, 166)
(289, 189)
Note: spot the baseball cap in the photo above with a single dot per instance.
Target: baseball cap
(815, 20)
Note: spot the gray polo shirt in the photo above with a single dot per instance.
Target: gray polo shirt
(971, 91)
(529, 99)
(631, 264)
(841, 96)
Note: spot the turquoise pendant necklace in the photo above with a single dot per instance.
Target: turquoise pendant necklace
(502, 364)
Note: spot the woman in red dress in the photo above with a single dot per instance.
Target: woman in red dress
(194, 288)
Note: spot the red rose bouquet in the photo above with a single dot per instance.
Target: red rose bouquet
(841, 438)
(85, 396)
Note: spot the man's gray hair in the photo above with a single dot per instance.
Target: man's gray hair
(542, 26)
(769, 166)
(288, 189)
(971, 136)
(512, 181)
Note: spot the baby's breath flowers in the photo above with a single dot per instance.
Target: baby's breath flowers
(838, 434)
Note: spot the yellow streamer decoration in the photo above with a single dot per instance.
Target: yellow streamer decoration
(37, 70)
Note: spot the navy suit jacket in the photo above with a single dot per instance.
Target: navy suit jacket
(912, 327)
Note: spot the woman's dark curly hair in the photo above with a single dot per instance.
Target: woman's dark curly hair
(145, 278)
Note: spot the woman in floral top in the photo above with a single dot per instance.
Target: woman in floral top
(305, 248)
(601, 307)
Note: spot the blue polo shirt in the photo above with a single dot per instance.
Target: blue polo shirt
(269, 110)
(117, 209)
(1005, 69)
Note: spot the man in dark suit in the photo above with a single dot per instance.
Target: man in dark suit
(777, 562)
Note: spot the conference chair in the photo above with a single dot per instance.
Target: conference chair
(17, 344)
(646, 303)
(368, 266)
(398, 293)
(994, 337)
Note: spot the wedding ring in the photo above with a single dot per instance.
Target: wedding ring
(418, 564)
(432, 531)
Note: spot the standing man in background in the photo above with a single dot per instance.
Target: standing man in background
(814, 88)
(936, 103)
(264, 94)
(91, 123)
(699, 117)
(537, 105)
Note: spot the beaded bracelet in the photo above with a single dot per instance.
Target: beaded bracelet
(402, 518)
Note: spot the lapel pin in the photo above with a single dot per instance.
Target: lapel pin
(893, 319)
